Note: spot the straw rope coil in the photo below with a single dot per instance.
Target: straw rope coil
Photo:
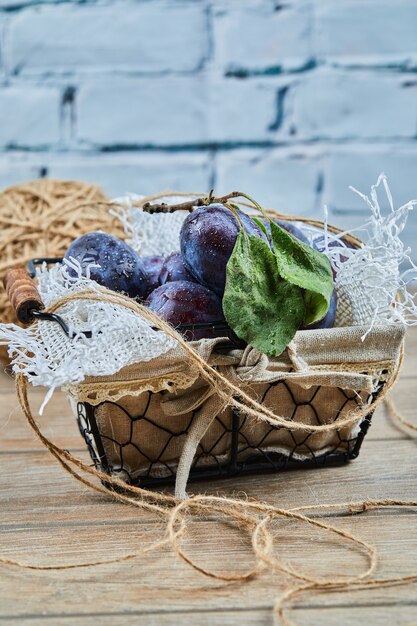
(40, 219)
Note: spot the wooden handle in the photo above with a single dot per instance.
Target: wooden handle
(22, 293)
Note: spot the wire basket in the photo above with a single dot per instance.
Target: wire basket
(117, 433)
(233, 446)
(130, 435)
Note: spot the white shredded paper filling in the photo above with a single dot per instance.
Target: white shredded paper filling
(148, 234)
(372, 284)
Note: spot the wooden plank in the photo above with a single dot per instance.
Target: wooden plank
(160, 580)
(409, 368)
(392, 614)
(404, 397)
(222, 547)
(33, 487)
(58, 423)
(387, 614)
(384, 427)
(6, 378)
(261, 617)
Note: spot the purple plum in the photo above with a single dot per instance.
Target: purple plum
(115, 265)
(185, 302)
(174, 269)
(153, 265)
(207, 239)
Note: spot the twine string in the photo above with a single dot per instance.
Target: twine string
(395, 415)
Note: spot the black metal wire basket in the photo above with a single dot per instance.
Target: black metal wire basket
(244, 457)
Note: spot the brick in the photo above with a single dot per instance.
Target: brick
(29, 116)
(142, 173)
(182, 110)
(340, 104)
(259, 36)
(366, 32)
(17, 4)
(283, 179)
(158, 112)
(16, 168)
(11, 4)
(143, 37)
(360, 167)
(249, 110)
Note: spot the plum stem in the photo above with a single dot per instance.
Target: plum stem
(148, 207)
(256, 205)
(235, 210)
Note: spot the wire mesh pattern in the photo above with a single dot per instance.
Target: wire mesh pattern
(135, 440)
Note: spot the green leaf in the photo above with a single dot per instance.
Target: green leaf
(302, 265)
(261, 226)
(261, 307)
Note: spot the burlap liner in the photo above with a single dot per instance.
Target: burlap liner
(336, 357)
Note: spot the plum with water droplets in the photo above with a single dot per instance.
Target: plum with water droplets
(184, 302)
(110, 262)
(174, 269)
(207, 238)
(153, 265)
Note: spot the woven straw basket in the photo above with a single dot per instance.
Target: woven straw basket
(160, 421)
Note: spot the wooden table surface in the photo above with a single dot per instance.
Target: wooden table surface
(46, 516)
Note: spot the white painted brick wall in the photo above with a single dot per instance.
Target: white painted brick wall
(257, 36)
(286, 179)
(18, 167)
(162, 112)
(139, 172)
(363, 164)
(342, 105)
(29, 117)
(290, 100)
(366, 32)
(147, 37)
(144, 172)
(249, 111)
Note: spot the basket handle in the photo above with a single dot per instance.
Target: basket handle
(22, 293)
